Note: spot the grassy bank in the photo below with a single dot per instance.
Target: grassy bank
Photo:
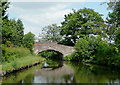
(21, 62)
(17, 58)
(21, 75)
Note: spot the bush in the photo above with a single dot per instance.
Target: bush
(73, 57)
(10, 53)
(115, 61)
(104, 53)
(95, 50)
(85, 47)
(68, 58)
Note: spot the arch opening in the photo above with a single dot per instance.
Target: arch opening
(51, 54)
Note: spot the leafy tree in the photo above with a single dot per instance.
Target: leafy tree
(51, 33)
(28, 41)
(20, 32)
(80, 23)
(12, 32)
(114, 21)
(7, 32)
(117, 39)
(5, 5)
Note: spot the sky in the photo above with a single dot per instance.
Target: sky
(36, 15)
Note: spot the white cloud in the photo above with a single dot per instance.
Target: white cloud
(31, 28)
(35, 19)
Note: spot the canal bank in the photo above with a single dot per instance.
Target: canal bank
(20, 64)
(64, 72)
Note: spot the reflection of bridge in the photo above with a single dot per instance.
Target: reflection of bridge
(58, 72)
(65, 50)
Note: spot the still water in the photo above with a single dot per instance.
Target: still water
(64, 72)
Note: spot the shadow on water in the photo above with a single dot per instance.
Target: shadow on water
(65, 72)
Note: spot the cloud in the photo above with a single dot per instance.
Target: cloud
(40, 16)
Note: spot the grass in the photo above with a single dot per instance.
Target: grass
(20, 62)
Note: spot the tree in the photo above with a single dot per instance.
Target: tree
(51, 33)
(5, 5)
(4, 18)
(7, 32)
(117, 39)
(80, 23)
(114, 21)
(20, 32)
(28, 41)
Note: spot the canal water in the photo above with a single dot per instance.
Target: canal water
(64, 72)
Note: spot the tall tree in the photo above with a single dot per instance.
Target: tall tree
(80, 23)
(114, 20)
(51, 33)
(20, 32)
(117, 39)
(28, 41)
(4, 18)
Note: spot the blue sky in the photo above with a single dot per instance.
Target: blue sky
(36, 15)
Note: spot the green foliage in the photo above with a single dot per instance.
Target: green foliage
(51, 54)
(12, 32)
(11, 53)
(104, 54)
(86, 47)
(95, 50)
(20, 62)
(5, 5)
(14, 64)
(18, 32)
(114, 17)
(68, 58)
(28, 41)
(113, 20)
(54, 63)
(51, 33)
(73, 57)
(81, 23)
(117, 39)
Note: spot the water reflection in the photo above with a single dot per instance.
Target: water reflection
(65, 72)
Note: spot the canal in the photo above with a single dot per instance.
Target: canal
(64, 72)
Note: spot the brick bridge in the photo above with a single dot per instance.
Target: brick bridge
(65, 50)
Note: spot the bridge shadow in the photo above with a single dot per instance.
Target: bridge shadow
(52, 54)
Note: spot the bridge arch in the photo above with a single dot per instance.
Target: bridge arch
(59, 54)
(65, 50)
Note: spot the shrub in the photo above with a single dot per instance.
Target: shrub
(10, 53)
(85, 47)
(95, 50)
(73, 57)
